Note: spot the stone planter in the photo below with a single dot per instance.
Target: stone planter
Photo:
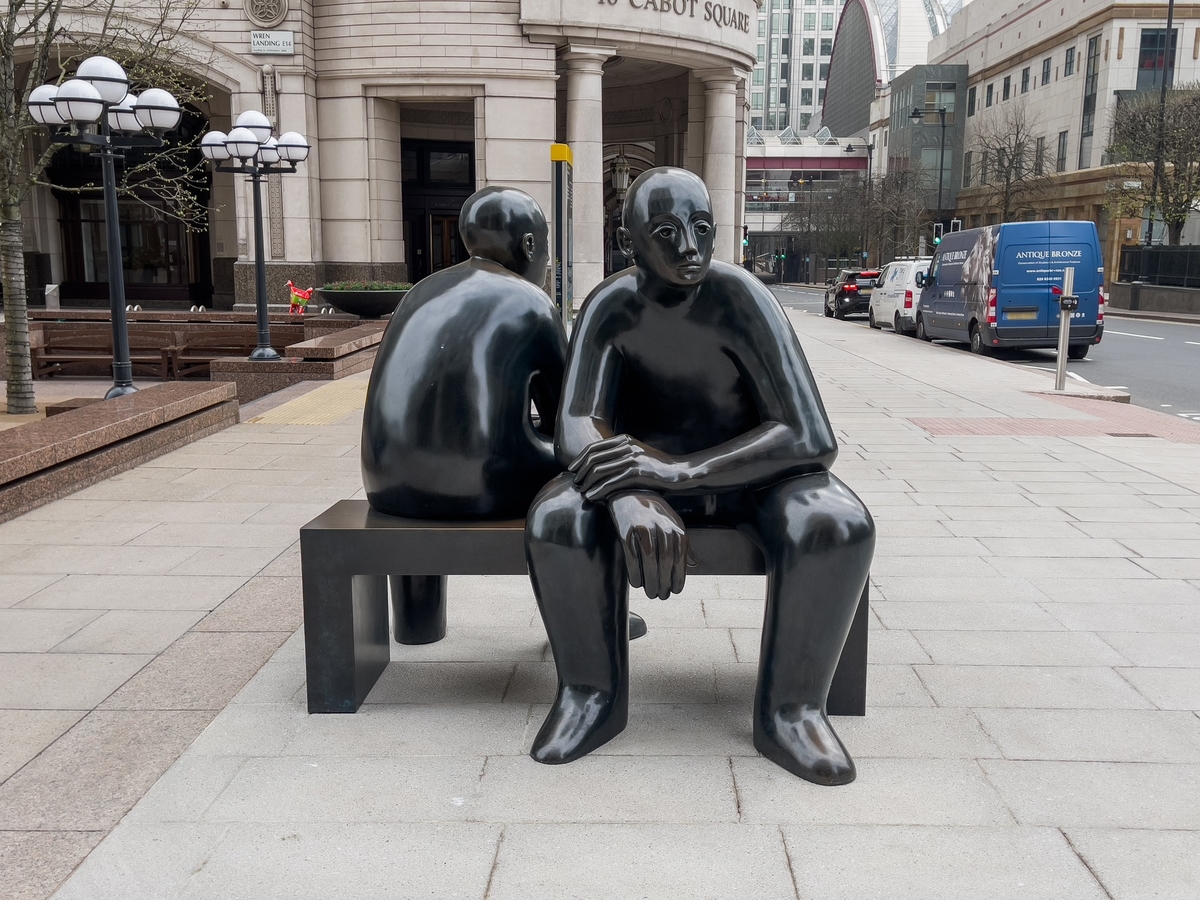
(367, 304)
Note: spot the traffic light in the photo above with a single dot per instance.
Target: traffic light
(745, 235)
(937, 233)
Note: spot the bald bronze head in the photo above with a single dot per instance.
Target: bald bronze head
(508, 227)
(668, 228)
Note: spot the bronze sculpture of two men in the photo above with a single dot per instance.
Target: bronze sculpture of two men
(684, 399)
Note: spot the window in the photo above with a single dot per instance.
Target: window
(827, 21)
(1007, 87)
(808, 47)
(1091, 81)
(806, 96)
(820, 95)
(1069, 62)
(810, 21)
(983, 168)
(762, 53)
(826, 46)
(968, 161)
(987, 102)
(774, 71)
(758, 77)
(756, 121)
(970, 102)
(939, 95)
(1046, 70)
(1153, 59)
(805, 118)
(1025, 80)
(1039, 157)
(787, 23)
(775, 23)
(1060, 163)
(762, 27)
(806, 72)
(775, 48)
(774, 101)
(756, 99)
(823, 72)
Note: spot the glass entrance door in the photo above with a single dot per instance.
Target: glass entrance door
(445, 247)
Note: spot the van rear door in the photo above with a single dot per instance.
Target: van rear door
(1076, 244)
(1025, 304)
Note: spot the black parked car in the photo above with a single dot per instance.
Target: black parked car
(850, 292)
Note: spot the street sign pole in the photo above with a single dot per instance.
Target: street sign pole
(1067, 305)
(560, 161)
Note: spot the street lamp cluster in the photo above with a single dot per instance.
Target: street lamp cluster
(95, 109)
(249, 149)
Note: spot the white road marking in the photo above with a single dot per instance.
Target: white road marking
(1149, 337)
(1117, 387)
(1193, 343)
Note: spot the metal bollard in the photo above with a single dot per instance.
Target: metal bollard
(1067, 304)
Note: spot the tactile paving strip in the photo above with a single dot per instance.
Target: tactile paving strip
(323, 406)
(1108, 420)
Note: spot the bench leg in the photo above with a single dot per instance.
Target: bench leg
(419, 608)
(346, 644)
(848, 692)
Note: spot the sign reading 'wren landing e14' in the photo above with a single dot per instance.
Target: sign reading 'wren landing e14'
(708, 26)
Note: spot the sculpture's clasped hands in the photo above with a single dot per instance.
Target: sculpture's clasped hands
(621, 463)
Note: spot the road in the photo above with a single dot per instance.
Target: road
(1157, 362)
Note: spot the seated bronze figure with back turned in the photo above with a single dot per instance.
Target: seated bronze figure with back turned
(688, 401)
(447, 425)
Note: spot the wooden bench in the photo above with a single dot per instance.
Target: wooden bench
(63, 348)
(347, 552)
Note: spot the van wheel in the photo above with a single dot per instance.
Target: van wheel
(896, 324)
(921, 329)
(1078, 351)
(977, 344)
(871, 319)
(828, 309)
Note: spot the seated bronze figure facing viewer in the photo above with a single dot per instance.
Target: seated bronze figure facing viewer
(688, 401)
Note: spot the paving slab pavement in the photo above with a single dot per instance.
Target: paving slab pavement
(1033, 723)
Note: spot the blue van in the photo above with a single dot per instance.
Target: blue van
(998, 286)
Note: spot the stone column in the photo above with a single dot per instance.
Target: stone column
(585, 135)
(721, 155)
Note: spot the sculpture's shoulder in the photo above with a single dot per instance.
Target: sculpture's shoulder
(612, 304)
(737, 286)
(478, 286)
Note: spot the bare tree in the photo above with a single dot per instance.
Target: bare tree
(1009, 159)
(40, 41)
(1133, 147)
(897, 213)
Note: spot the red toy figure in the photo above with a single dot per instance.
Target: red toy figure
(300, 298)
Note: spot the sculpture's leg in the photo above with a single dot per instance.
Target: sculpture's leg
(578, 576)
(637, 626)
(818, 540)
(418, 608)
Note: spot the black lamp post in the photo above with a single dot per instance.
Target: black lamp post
(850, 148)
(1168, 73)
(98, 97)
(918, 117)
(250, 150)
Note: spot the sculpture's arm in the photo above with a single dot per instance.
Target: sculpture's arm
(589, 387)
(545, 384)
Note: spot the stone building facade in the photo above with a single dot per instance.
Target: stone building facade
(410, 106)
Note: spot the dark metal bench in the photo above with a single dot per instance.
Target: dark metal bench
(348, 551)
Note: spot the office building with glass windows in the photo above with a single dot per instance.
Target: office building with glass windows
(795, 43)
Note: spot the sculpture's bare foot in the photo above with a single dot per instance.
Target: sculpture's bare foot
(637, 626)
(581, 720)
(802, 740)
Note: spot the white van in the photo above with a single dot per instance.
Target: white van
(894, 301)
